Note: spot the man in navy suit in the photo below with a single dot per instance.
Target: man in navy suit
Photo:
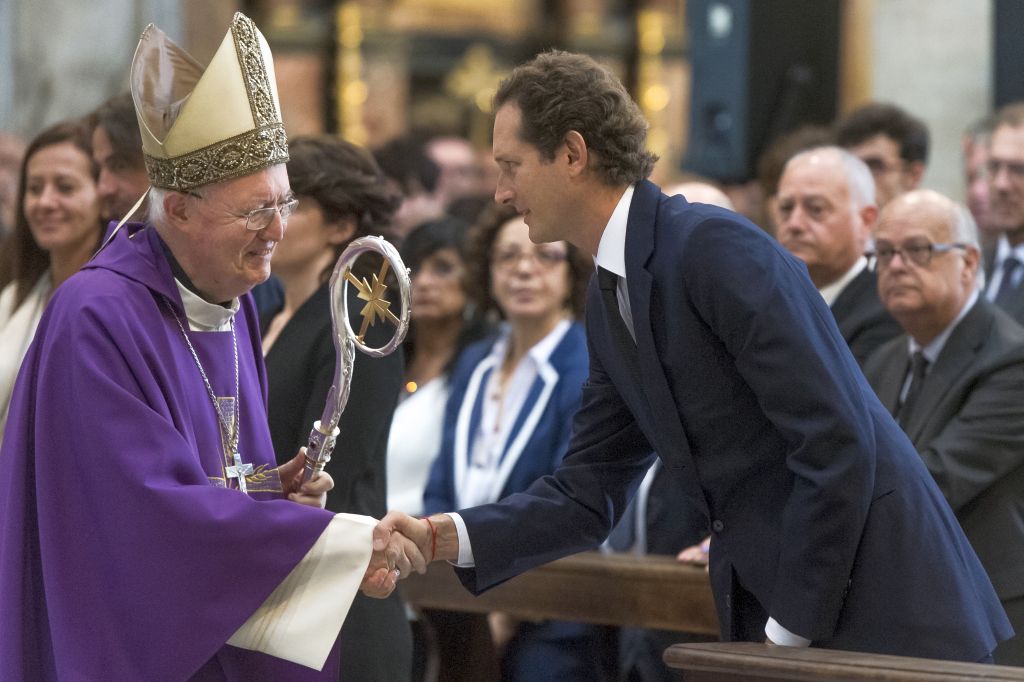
(710, 346)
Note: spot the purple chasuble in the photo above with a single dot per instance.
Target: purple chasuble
(122, 554)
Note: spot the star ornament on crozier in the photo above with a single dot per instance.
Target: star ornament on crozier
(377, 306)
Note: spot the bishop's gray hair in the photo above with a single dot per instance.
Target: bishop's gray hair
(157, 215)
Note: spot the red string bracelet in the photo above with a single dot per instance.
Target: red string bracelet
(433, 538)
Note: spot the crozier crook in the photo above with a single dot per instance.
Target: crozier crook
(325, 431)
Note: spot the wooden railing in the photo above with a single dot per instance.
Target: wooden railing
(734, 661)
(651, 591)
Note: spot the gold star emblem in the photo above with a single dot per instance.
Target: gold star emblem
(377, 307)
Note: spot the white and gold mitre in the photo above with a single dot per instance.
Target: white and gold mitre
(201, 126)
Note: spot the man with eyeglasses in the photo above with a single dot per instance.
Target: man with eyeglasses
(955, 383)
(826, 209)
(891, 142)
(1005, 169)
(147, 531)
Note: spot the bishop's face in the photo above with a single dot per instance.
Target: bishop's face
(223, 258)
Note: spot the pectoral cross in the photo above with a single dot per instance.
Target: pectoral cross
(239, 471)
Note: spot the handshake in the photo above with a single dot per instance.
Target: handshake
(403, 544)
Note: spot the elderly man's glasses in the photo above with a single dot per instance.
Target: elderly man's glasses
(261, 218)
(506, 259)
(919, 253)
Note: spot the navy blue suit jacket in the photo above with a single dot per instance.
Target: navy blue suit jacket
(540, 433)
(820, 507)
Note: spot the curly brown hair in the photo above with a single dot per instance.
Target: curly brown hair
(478, 263)
(558, 92)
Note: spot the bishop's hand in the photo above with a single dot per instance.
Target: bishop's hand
(312, 493)
(394, 556)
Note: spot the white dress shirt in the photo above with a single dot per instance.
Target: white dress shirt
(830, 292)
(489, 452)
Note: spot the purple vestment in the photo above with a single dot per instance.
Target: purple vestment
(122, 556)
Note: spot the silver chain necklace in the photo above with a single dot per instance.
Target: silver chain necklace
(228, 429)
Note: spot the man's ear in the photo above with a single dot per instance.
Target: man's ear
(913, 175)
(576, 152)
(868, 216)
(178, 208)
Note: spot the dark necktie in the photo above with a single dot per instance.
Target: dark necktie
(918, 368)
(608, 282)
(1007, 288)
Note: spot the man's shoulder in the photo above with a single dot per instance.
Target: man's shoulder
(1002, 335)
(96, 286)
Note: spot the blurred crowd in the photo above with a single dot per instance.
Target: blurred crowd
(927, 294)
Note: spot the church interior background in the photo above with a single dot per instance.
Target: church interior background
(371, 70)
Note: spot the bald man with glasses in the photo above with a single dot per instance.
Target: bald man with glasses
(955, 383)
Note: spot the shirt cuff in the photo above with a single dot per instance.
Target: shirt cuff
(783, 637)
(465, 550)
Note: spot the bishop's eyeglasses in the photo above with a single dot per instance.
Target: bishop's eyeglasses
(261, 218)
(918, 253)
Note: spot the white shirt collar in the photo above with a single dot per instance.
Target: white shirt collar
(1003, 250)
(540, 352)
(204, 316)
(934, 348)
(611, 250)
(830, 292)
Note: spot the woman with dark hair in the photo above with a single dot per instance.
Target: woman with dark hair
(508, 418)
(342, 196)
(57, 228)
(444, 321)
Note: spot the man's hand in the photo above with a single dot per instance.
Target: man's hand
(696, 555)
(312, 493)
(435, 538)
(393, 557)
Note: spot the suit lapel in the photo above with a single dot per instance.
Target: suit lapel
(668, 436)
(526, 425)
(957, 355)
(470, 413)
(893, 374)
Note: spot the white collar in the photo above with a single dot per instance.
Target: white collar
(540, 352)
(611, 250)
(934, 348)
(204, 316)
(1003, 250)
(830, 292)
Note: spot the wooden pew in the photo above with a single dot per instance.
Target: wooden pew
(734, 661)
(611, 589)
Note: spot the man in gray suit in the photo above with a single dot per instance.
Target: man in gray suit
(955, 383)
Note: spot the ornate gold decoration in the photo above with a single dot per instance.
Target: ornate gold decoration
(232, 158)
(352, 90)
(187, 143)
(377, 307)
(257, 83)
